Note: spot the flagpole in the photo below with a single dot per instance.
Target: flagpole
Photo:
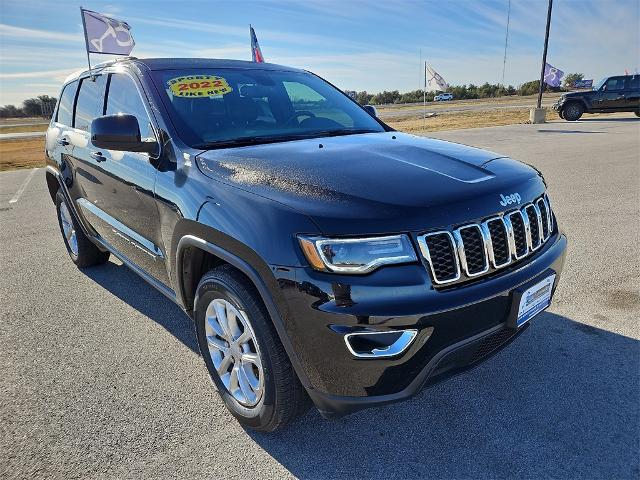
(420, 77)
(424, 99)
(86, 40)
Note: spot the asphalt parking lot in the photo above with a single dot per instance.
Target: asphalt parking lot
(99, 375)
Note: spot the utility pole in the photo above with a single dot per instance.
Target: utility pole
(537, 115)
(544, 53)
(506, 41)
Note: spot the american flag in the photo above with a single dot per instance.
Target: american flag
(256, 53)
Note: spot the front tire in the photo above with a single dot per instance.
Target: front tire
(243, 354)
(82, 251)
(572, 111)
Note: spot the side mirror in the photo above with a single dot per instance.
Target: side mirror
(120, 132)
(371, 110)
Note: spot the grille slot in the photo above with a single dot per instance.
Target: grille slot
(534, 225)
(438, 249)
(544, 217)
(499, 242)
(519, 234)
(475, 249)
(473, 254)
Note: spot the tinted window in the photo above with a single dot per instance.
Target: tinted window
(216, 106)
(90, 102)
(123, 97)
(308, 103)
(65, 107)
(614, 83)
(635, 82)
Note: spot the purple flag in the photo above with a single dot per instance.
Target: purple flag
(106, 35)
(552, 75)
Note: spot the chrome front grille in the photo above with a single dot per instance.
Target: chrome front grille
(476, 249)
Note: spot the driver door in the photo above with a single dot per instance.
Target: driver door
(612, 95)
(123, 209)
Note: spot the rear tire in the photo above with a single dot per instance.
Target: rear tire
(572, 111)
(81, 250)
(637, 112)
(264, 393)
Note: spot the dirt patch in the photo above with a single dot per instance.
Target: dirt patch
(21, 153)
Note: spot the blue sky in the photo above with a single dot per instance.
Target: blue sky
(354, 44)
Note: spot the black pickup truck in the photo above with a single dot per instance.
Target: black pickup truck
(612, 94)
(323, 256)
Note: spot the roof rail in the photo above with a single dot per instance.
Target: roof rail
(111, 62)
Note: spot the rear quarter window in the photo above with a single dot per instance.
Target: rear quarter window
(90, 102)
(64, 114)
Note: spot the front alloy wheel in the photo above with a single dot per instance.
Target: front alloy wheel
(234, 351)
(243, 353)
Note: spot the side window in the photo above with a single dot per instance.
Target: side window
(90, 102)
(614, 84)
(64, 114)
(634, 83)
(123, 97)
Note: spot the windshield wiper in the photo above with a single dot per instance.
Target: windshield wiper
(258, 140)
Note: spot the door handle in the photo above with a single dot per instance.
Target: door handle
(98, 156)
(62, 141)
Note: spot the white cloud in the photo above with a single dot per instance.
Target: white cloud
(35, 34)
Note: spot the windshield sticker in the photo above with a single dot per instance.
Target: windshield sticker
(194, 86)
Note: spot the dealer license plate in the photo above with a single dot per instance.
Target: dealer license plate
(535, 299)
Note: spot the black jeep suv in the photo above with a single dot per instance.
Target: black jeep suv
(612, 94)
(323, 256)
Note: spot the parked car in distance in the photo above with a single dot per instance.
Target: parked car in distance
(443, 97)
(612, 94)
(324, 258)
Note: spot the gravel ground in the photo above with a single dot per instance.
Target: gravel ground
(99, 375)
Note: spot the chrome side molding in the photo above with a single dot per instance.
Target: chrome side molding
(375, 344)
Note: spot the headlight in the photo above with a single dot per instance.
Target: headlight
(356, 255)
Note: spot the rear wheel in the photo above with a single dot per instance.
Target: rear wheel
(243, 353)
(81, 250)
(637, 112)
(572, 111)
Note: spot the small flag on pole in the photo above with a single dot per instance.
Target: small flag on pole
(106, 34)
(435, 77)
(552, 75)
(256, 53)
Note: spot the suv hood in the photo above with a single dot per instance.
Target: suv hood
(377, 182)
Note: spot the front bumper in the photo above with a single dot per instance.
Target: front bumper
(468, 323)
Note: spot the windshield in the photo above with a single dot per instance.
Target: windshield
(220, 107)
(598, 85)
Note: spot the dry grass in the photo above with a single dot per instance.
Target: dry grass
(21, 153)
(459, 120)
(24, 128)
(12, 121)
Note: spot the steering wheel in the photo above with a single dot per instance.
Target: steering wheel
(301, 113)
